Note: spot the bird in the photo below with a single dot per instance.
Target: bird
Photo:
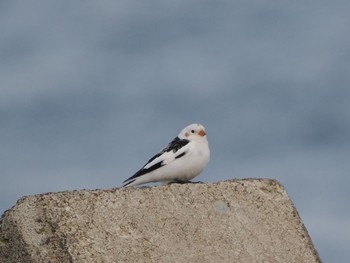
(181, 160)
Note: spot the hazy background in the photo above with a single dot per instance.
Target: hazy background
(91, 90)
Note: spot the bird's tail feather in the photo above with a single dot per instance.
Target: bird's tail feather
(129, 182)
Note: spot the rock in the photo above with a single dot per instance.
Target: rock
(250, 220)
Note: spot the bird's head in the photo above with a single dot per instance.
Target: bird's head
(194, 132)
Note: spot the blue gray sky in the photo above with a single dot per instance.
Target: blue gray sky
(91, 90)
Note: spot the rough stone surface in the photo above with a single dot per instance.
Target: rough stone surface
(250, 220)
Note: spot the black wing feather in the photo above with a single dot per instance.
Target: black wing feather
(174, 146)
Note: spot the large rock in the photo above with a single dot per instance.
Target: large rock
(233, 221)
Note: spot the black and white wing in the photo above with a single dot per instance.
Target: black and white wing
(174, 150)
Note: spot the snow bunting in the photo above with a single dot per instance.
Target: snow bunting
(183, 159)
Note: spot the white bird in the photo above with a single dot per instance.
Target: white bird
(183, 159)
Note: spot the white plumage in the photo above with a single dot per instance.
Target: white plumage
(184, 158)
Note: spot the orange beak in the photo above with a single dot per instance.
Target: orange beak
(202, 133)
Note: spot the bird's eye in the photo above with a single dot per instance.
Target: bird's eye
(192, 131)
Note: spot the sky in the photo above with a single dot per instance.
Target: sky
(90, 90)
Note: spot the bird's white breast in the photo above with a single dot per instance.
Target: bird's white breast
(195, 161)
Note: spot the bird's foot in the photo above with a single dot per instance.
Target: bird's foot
(177, 181)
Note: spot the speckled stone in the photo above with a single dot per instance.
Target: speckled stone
(251, 220)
